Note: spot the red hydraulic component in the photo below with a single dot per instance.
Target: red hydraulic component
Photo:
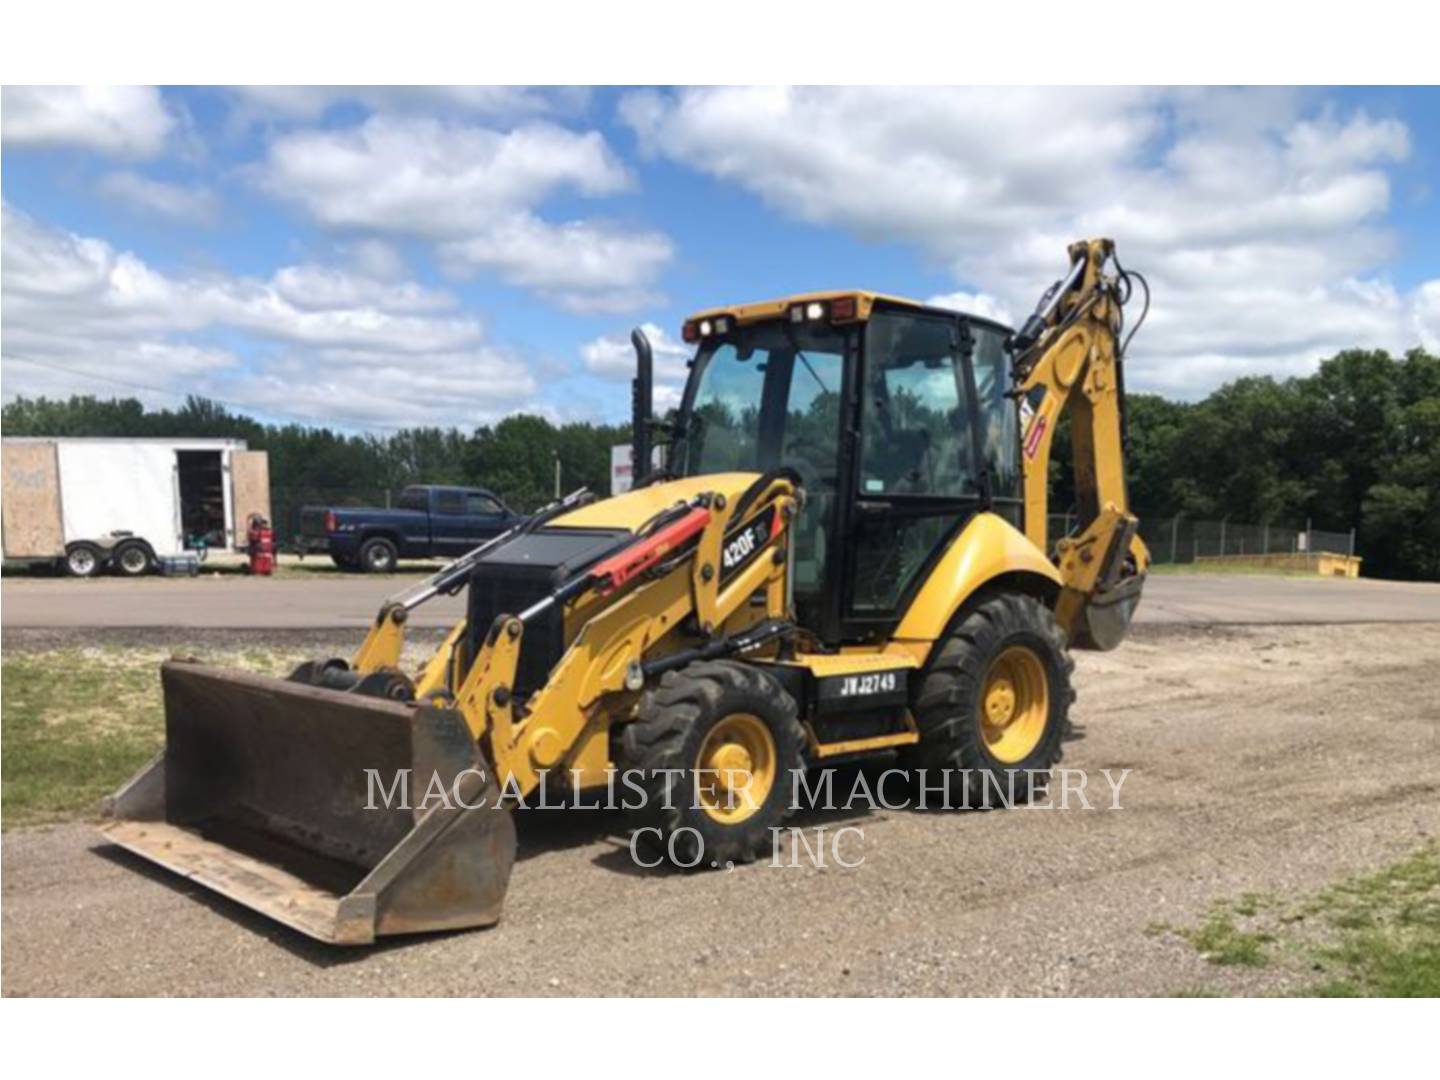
(260, 544)
(615, 571)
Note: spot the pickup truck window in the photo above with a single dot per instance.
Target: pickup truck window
(481, 504)
(414, 499)
(449, 502)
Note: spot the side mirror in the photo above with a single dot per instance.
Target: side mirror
(642, 395)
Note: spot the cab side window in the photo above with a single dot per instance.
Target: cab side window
(999, 413)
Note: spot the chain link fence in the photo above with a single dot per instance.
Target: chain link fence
(1182, 539)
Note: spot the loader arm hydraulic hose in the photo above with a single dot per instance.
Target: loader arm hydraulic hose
(386, 640)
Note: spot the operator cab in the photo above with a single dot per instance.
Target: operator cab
(894, 415)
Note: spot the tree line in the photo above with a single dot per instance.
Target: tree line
(1355, 444)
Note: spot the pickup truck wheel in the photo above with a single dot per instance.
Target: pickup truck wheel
(378, 556)
(82, 560)
(132, 559)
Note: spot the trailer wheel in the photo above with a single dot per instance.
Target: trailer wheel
(378, 556)
(716, 747)
(82, 560)
(132, 559)
(994, 703)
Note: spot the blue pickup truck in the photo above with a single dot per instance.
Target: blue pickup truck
(428, 521)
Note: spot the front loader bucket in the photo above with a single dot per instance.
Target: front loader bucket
(343, 816)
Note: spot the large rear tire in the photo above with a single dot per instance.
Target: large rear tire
(994, 703)
(716, 747)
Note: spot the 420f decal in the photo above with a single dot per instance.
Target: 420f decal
(744, 543)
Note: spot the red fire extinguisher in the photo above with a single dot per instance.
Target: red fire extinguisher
(260, 538)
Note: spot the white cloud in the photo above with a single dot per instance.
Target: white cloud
(1257, 215)
(321, 343)
(474, 191)
(159, 198)
(121, 121)
(972, 303)
(377, 259)
(1426, 315)
(581, 265)
(319, 288)
(313, 102)
(434, 179)
(612, 356)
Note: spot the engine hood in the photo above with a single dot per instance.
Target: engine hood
(634, 508)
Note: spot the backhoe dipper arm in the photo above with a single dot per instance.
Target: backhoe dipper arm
(1067, 355)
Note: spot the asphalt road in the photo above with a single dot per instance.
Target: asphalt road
(1273, 760)
(325, 600)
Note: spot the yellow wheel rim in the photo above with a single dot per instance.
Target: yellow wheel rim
(1014, 705)
(735, 768)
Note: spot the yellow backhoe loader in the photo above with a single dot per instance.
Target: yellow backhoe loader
(844, 555)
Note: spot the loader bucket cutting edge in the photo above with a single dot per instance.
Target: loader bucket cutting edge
(264, 794)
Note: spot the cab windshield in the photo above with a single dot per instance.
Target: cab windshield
(767, 396)
(763, 396)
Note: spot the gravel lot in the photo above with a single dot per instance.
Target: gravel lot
(1265, 758)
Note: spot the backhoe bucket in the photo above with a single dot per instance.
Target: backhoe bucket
(343, 816)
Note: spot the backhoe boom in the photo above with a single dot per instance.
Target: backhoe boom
(1067, 356)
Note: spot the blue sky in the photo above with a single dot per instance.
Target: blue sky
(382, 258)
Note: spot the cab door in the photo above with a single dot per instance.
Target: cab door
(916, 476)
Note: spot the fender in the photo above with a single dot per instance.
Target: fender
(986, 549)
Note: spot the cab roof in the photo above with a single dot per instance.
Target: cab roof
(865, 302)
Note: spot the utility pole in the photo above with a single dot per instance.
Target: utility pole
(557, 472)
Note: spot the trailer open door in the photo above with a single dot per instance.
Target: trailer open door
(250, 490)
(32, 521)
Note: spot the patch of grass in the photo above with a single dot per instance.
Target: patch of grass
(1388, 929)
(1376, 935)
(76, 723)
(1220, 941)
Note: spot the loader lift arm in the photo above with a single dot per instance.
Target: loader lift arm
(384, 643)
(1068, 355)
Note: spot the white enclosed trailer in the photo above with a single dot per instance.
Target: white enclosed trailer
(89, 503)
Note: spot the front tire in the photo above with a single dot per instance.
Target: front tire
(717, 746)
(994, 703)
(378, 556)
(82, 560)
